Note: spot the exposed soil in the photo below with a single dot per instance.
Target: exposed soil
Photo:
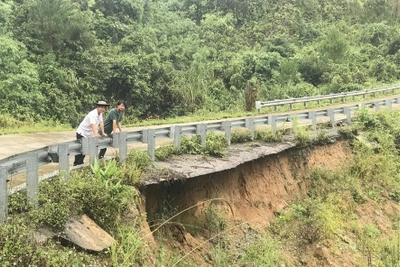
(248, 197)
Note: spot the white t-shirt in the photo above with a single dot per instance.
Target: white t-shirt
(85, 128)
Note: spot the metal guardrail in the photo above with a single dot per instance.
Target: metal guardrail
(29, 162)
(331, 97)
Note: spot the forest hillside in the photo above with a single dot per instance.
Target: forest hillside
(170, 58)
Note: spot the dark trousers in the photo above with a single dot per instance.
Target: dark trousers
(102, 153)
(80, 157)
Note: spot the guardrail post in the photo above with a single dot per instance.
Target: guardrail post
(171, 132)
(3, 194)
(201, 129)
(305, 104)
(85, 146)
(151, 143)
(319, 102)
(388, 103)
(115, 140)
(272, 122)
(291, 105)
(312, 115)
(32, 178)
(276, 107)
(376, 105)
(226, 126)
(343, 99)
(331, 115)
(63, 160)
(249, 124)
(347, 112)
(122, 146)
(295, 122)
(258, 106)
(331, 100)
(93, 151)
(397, 100)
(177, 136)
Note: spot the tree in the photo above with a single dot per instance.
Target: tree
(19, 82)
(55, 26)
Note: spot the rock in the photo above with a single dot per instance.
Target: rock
(42, 235)
(87, 234)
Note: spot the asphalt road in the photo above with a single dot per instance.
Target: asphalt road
(19, 143)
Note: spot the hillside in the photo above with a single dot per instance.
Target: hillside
(170, 58)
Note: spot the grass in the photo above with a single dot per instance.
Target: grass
(326, 214)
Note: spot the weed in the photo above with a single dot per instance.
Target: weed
(140, 158)
(215, 222)
(241, 135)
(322, 137)
(347, 131)
(311, 221)
(302, 137)
(54, 204)
(215, 145)
(130, 174)
(191, 145)
(267, 135)
(129, 250)
(220, 256)
(165, 152)
(262, 252)
(367, 240)
(18, 202)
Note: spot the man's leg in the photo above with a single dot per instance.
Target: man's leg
(102, 153)
(79, 158)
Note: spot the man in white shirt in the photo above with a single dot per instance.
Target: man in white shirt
(88, 127)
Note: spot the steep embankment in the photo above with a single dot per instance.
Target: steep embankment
(253, 191)
(246, 197)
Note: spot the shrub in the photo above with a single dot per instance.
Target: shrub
(140, 158)
(215, 145)
(262, 252)
(241, 135)
(165, 152)
(267, 135)
(302, 137)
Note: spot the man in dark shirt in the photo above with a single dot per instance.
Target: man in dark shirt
(112, 124)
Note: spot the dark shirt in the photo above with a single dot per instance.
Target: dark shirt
(108, 122)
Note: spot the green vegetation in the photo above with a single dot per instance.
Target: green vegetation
(107, 192)
(215, 145)
(191, 59)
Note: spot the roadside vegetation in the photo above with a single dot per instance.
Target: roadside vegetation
(108, 192)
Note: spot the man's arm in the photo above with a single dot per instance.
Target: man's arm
(115, 125)
(119, 126)
(102, 128)
(94, 129)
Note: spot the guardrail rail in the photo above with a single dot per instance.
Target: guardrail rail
(29, 162)
(331, 97)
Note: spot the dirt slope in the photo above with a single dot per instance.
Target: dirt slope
(248, 196)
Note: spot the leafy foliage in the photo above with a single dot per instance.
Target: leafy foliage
(171, 58)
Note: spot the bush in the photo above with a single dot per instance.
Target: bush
(267, 135)
(165, 152)
(241, 136)
(262, 252)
